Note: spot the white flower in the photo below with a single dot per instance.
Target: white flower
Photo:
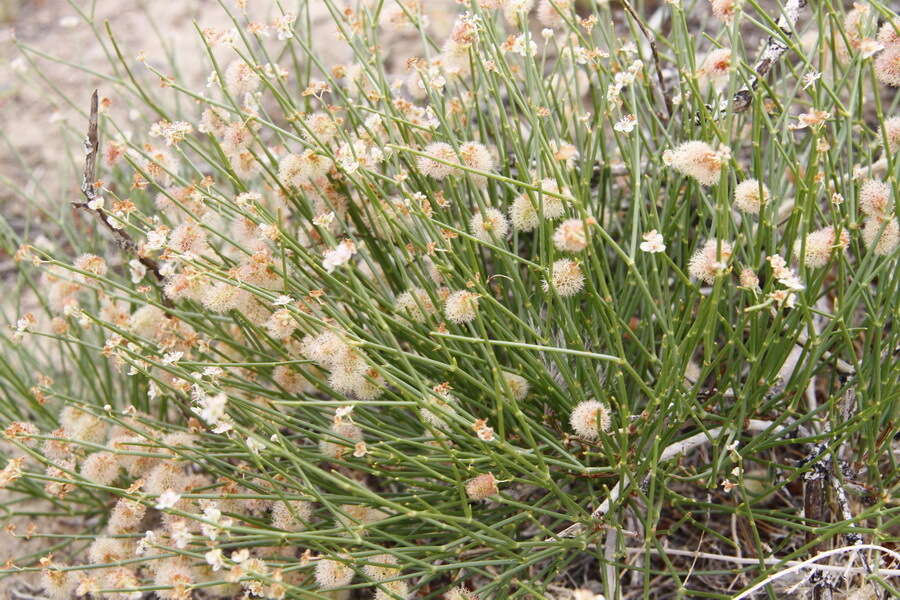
(282, 300)
(167, 499)
(522, 46)
(216, 522)
(213, 372)
(653, 242)
(180, 534)
(324, 220)
(869, 48)
(156, 239)
(254, 445)
(339, 256)
(285, 25)
(172, 357)
(137, 269)
(96, 203)
(810, 78)
(215, 559)
(224, 425)
(211, 408)
(626, 124)
(240, 556)
(145, 542)
(341, 412)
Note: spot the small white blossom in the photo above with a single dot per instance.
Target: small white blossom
(137, 270)
(172, 357)
(167, 499)
(653, 242)
(626, 124)
(215, 559)
(254, 446)
(810, 78)
(338, 256)
(145, 543)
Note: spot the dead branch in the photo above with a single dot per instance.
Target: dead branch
(89, 189)
(670, 452)
(653, 50)
(771, 53)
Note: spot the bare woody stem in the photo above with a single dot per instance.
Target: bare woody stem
(89, 189)
(773, 51)
(668, 453)
(651, 39)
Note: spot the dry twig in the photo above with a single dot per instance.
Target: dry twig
(89, 189)
(770, 54)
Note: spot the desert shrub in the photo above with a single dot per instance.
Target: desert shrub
(542, 300)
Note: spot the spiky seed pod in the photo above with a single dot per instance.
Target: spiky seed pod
(550, 13)
(167, 475)
(58, 584)
(570, 236)
(750, 196)
(749, 278)
(240, 78)
(891, 131)
(331, 574)
(887, 66)
(882, 241)
(566, 277)
(551, 206)
(715, 69)
(391, 590)
(189, 238)
(381, 567)
(460, 593)
(704, 264)
(107, 550)
(415, 304)
(475, 155)
(698, 160)
(517, 384)
(126, 516)
(523, 214)
(176, 575)
(723, 9)
(820, 244)
(291, 515)
(489, 226)
(339, 447)
(321, 126)
(875, 198)
(589, 419)
(293, 381)
(81, 425)
(101, 468)
(461, 306)
(91, 263)
(433, 168)
(482, 486)
(122, 578)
